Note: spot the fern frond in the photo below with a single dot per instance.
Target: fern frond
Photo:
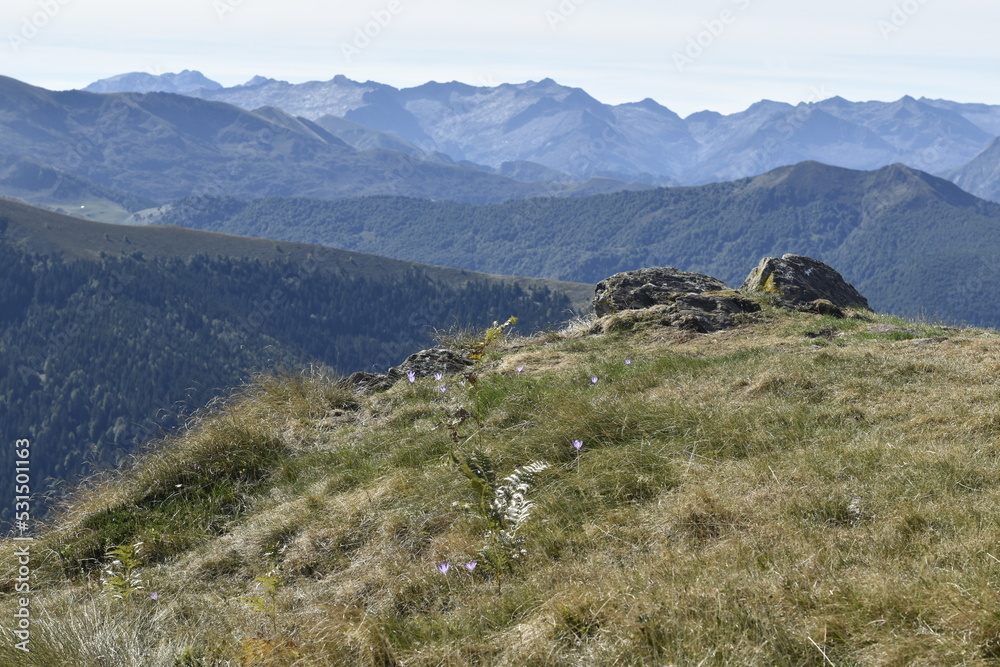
(478, 468)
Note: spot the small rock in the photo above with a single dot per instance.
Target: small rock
(428, 362)
(423, 364)
(821, 307)
(854, 511)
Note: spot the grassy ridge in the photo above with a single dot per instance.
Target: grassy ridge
(799, 491)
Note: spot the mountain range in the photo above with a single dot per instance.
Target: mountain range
(136, 148)
(566, 130)
(913, 243)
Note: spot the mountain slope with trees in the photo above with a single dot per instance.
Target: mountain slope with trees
(913, 243)
(109, 334)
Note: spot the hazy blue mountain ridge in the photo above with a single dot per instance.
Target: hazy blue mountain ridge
(160, 146)
(567, 130)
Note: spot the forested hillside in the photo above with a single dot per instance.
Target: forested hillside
(98, 356)
(912, 243)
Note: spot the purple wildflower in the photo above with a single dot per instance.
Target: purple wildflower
(443, 388)
(577, 444)
(444, 567)
(471, 565)
(519, 369)
(593, 380)
(411, 376)
(438, 376)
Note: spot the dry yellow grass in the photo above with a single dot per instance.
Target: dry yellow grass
(796, 491)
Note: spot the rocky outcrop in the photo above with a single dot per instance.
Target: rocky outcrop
(696, 313)
(698, 303)
(636, 290)
(800, 281)
(708, 312)
(422, 364)
(429, 362)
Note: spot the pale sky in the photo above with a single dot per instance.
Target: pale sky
(722, 55)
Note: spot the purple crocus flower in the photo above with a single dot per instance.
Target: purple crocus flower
(628, 362)
(444, 567)
(593, 380)
(411, 376)
(577, 444)
(443, 388)
(519, 369)
(438, 376)
(471, 565)
(154, 596)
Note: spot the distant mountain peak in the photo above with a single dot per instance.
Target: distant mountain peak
(769, 105)
(182, 83)
(906, 182)
(705, 115)
(259, 80)
(649, 103)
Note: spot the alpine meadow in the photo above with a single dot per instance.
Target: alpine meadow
(397, 334)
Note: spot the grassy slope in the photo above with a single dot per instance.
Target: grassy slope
(797, 491)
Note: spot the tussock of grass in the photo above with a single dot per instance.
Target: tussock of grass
(794, 491)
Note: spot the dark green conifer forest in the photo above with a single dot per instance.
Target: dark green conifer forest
(99, 356)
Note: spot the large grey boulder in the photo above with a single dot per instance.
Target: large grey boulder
(799, 281)
(636, 290)
(696, 313)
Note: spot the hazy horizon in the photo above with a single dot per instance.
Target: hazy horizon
(817, 97)
(687, 56)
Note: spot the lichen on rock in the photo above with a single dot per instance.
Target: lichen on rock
(644, 288)
(799, 280)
